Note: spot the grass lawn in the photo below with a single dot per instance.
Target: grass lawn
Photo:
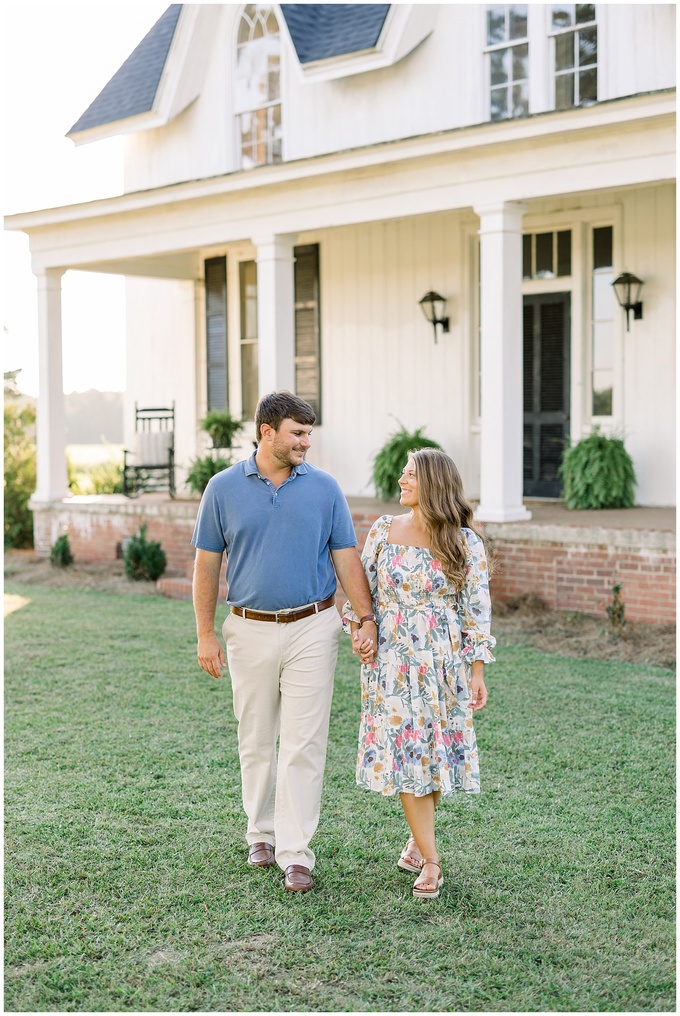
(126, 884)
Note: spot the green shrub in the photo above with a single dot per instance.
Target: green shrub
(616, 613)
(392, 457)
(221, 427)
(101, 478)
(202, 470)
(144, 559)
(60, 554)
(598, 473)
(19, 473)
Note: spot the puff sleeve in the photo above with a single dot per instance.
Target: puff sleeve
(474, 604)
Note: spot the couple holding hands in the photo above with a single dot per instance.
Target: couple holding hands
(418, 612)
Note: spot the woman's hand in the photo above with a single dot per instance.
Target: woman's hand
(479, 692)
(365, 642)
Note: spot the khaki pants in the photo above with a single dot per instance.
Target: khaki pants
(282, 682)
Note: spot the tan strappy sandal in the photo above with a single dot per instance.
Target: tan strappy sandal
(429, 894)
(405, 862)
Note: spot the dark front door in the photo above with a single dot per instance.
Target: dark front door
(546, 391)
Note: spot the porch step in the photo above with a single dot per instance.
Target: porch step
(180, 589)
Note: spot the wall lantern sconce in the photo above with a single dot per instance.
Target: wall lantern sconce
(627, 288)
(434, 307)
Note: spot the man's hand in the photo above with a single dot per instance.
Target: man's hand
(211, 655)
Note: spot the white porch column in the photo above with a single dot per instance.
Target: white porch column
(276, 312)
(501, 363)
(52, 479)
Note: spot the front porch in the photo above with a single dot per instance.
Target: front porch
(571, 559)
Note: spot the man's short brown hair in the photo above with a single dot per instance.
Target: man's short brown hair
(276, 407)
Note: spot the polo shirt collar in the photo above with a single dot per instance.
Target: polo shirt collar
(251, 467)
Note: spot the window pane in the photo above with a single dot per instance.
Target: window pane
(248, 278)
(520, 63)
(564, 52)
(275, 133)
(499, 103)
(564, 252)
(526, 256)
(495, 25)
(544, 255)
(564, 91)
(500, 63)
(249, 379)
(584, 13)
(603, 238)
(520, 99)
(603, 345)
(602, 392)
(604, 297)
(562, 15)
(518, 22)
(587, 46)
(587, 86)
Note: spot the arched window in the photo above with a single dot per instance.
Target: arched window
(258, 86)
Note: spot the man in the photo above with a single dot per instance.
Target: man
(287, 530)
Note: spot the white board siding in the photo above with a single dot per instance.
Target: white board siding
(381, 366)
(650, 346)
(161, 366)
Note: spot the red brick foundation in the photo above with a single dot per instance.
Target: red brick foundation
(570, 568)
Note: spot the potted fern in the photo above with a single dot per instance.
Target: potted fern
(391, 459)
(598, 472)
(221, 427)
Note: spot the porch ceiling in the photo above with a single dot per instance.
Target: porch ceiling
(622, 143)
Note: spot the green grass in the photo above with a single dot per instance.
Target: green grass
(126, 883)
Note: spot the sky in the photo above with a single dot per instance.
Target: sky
(55, 59)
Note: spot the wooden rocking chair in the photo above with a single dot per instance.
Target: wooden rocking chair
(150, 466)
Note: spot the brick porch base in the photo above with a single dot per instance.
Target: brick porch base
(570, 559)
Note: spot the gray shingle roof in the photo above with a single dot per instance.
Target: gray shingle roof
(132, 89)
(320, 31)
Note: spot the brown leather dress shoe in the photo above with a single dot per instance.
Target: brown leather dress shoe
(261, 855)
(298, 878)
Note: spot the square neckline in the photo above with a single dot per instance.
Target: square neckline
(405, 546)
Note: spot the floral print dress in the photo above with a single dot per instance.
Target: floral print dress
(416, 733)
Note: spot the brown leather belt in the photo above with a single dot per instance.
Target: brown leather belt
(284, 616)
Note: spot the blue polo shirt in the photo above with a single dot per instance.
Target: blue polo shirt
(278, 541)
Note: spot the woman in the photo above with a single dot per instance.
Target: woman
(429, 582)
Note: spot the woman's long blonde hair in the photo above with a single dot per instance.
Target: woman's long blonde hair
(444, 509)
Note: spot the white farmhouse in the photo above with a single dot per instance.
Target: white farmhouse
(299, 176)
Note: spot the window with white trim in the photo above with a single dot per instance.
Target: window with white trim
(603, 308)
(258, 86)
(507, 54)
(574, 31)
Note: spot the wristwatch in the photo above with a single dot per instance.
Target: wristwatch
(367, 617)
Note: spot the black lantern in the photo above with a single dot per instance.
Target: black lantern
(627, 288)
(434, 308)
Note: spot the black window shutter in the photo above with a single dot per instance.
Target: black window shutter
(307, 327)
(216, 331)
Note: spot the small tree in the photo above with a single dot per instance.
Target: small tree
(144, 559)
(598, 473)
(60, 554)
(392, 457)
(19, 473)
